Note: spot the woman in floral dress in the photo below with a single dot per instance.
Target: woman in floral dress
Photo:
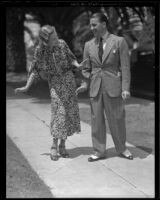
(54, 58)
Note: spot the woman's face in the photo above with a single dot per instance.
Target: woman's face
(53, 39)
(42, 42)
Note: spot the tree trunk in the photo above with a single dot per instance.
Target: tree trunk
(15, 47)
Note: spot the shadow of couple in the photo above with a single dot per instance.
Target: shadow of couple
(137, 152)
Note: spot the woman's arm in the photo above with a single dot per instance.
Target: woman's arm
(76, 64)
(72, 58)
(33, 71)
(83, 87)
(30, 80)
(28, 84)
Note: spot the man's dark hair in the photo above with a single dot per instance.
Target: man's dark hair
(101, 17)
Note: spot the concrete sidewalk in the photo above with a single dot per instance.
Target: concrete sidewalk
(28, 126)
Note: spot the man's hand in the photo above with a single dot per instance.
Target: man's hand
(20, 90)
(125, 95)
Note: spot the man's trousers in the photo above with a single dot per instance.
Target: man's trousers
(115, 113)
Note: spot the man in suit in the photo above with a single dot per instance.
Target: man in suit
(108, 72)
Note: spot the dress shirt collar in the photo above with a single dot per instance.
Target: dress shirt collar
(104, 37)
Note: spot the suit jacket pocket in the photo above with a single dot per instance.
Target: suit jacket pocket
(112, 84)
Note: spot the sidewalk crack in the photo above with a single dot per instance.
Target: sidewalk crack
(124, 179)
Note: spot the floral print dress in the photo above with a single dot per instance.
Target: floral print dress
(56, 63)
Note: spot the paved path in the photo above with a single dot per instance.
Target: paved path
(28, 126)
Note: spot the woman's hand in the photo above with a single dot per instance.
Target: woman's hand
(27, 86)
(81, 64)
(80, 89)
(21, 90)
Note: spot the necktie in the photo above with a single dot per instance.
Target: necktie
(100, 53)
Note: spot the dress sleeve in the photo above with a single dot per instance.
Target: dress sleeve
(34, 68)
(70, 56)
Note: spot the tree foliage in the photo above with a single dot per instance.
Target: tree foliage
(71, 23)
(15, 49)
(123, 21)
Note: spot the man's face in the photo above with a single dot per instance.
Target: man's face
(96, 26)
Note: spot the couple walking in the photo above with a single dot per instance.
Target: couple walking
(106, 71)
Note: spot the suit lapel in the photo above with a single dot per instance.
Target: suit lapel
(108, 47)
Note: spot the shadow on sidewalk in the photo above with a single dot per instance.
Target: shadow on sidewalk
(110, 152)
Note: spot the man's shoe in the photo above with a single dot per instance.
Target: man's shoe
(93, 158)
(129, 157)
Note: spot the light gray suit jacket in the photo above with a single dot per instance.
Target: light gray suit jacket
(113, 71)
